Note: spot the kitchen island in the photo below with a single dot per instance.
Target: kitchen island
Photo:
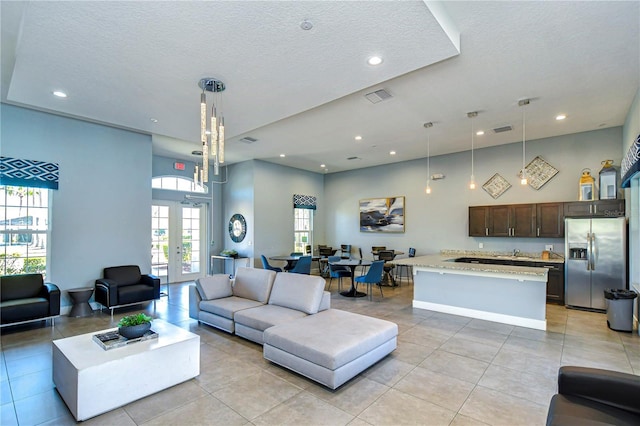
(508, 294)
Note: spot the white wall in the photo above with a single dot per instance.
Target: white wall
(101, 213)
(440, 220)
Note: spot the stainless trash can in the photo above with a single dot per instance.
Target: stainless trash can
(620, 308)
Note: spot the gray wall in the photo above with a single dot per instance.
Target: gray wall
(101, 211)
(263, 193)
(440, 220)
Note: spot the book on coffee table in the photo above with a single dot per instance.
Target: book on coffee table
(112, 339)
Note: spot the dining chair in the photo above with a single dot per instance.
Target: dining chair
(307, 249)
(291, 264)
(265, 264)
(408, 268)
(303, 266)
(364, 267)
(387, 256)
(345, 251)
(337, 271)
(373, 276)
(375, 250)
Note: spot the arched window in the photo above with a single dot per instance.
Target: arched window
(178, 183)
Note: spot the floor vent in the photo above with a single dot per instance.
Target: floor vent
(248, 139)
(378, 96)
(502, 129)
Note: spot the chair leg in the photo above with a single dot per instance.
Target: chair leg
(330, 281)
(380, 287)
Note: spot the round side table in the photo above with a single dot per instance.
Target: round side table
(80, 298)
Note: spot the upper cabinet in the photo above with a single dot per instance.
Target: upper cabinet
(544, 220)
(550, 220)
(598, 208)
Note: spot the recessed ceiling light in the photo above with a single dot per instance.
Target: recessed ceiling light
(392, 153)
(282, 155)
(561, 117)
(323, 165)
(154, 120)
(59, 93)
(358, 138)
(374, 60)
(480, 132)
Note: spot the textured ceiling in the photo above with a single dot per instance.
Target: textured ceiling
(300, 93)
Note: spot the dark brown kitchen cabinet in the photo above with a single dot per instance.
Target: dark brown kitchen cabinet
(514, 220)
(478, 217)
(555, 283)
(550, 220)
(597, 208)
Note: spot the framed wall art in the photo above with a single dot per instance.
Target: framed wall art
(539, 172)
(496, 186)
(382, 214)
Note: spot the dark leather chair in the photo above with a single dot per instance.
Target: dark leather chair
(124, 286)
(26, 297)
(388, 256)
(591, 396)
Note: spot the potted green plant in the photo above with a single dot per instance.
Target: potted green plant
(134, 326)
(229, 253)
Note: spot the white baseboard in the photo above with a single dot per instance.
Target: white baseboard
(483, 315)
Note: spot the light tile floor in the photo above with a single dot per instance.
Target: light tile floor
(447, 370)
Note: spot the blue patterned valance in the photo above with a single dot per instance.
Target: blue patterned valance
(35, 174)
(304, 201)
(631, 163)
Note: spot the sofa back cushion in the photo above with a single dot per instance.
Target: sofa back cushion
(123, 275)
(20, 286)
(214, 287)
(254, 284)
(297, 291)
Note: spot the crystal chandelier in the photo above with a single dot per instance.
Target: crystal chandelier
(212, 138)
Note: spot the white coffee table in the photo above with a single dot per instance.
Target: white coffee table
(92, 380)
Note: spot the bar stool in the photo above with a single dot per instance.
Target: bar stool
(408, 268)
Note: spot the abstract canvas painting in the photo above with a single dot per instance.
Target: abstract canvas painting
(382, 214)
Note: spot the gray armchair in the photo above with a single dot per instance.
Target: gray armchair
(26, 297)
(124, 286)
(590, 396)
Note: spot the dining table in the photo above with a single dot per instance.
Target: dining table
(291, 260)
(352, 264)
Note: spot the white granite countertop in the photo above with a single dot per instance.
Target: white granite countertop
(447, 262)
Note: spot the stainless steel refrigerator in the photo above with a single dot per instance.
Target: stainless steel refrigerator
(595, 259)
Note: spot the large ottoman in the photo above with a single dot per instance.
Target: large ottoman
(331, 346)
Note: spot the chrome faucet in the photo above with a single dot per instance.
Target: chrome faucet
(516, 252)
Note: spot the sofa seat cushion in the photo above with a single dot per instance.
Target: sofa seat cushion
(24, 309)
(297, 291)
(569, 410)
(228, 306)
(134, 293)
(331, 338)
(266, 316)
(214, 286)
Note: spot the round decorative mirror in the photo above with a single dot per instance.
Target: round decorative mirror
(237, 228)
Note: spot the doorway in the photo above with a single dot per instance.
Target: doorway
(178, 233)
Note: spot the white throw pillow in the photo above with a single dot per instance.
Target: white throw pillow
(214, 286)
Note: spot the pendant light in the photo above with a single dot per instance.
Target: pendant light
(212, 139)
(472, 181)
(428, 188)
(523, 171)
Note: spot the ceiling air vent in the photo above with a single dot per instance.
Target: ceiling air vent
(377, 96)
(354, 158)
(503, 129)
(248, 139)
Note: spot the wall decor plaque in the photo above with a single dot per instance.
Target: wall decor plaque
(539, 172)
(496, 186)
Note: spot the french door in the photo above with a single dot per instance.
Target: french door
(178, 235)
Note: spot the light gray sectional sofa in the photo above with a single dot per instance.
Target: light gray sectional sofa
(290, 315)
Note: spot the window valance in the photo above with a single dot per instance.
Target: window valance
(631, 163)
(32, 173)
(304, 201)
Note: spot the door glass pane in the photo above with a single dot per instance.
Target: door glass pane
(160, 241)
(190, 240)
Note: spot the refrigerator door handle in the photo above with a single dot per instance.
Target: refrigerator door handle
(592, 259)
(588, 250)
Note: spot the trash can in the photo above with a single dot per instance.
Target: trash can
(620, 308)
